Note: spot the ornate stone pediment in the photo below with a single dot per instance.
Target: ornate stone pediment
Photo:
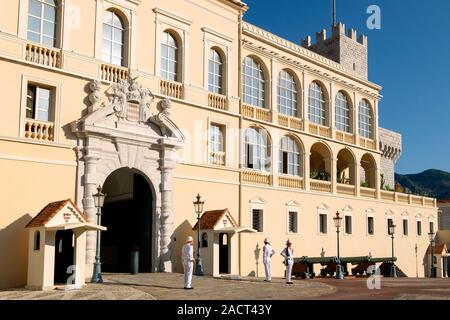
(128, 108)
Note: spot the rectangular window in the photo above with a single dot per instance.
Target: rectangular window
(431, 227)
(419, 228)
(39, 101)
(257, 220)
(348, 224)
(293, 222)
(390, 222)
(323, 223)
(405, 227)
(216, 141)
(370, 226)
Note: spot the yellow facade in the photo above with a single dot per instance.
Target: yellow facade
(40, 162)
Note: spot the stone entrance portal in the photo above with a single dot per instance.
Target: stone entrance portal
(128, 132)
(128, 216)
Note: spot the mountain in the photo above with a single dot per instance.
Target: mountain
(433, 183)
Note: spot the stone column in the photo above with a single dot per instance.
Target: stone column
(90, 188)
(333, 172)
(167, 217)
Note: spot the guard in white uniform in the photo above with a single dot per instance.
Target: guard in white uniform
(268, 252)
(288, 254)
(188, 262)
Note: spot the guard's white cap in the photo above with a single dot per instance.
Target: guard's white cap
(266, 240)
(189, 239)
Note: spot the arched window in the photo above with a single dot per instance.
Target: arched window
(42, 22)
(204, 240)
(169, 57)
(287, 94)
(289, 157)
(365, 120)
(256, 151)
(253, 89)
(37, 241)
(343, 115)
(113, 39)
(215, 72)
(317, 108)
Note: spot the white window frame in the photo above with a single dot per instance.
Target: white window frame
(389, 215)
(258, 204)
(343, 113)
(317, 114)
(290, 106)
(405, 217)
(348, 212)
(296, 151)
(214, 39)
(257, 76)
(169, 21)
(123, 44)
(56, 89)
(370, 213)
(432, 220)
(261, 143)
(292, 206)
(42, 20)
(323, 209)
(419, 219)
(168, 60)
(366, 122)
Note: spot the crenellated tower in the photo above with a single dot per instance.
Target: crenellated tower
(345, 48)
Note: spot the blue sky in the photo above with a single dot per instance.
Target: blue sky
(409, 57)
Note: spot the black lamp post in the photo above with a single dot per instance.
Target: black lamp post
(99, 200)
(198, 205)
(432, 267)
(393, 267)
(337, 224)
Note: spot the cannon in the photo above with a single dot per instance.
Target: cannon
(364, 263)
(303, 268)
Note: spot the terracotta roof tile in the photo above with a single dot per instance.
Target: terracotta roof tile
(438, 249)
(210, 219)
(49, 211)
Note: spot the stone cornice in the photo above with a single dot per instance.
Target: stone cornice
(172, 16)
(304, 54)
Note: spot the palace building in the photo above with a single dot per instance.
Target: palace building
(158, 101)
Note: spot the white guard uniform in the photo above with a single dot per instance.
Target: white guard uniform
(288, 255)
(188, 264)
(268, 252)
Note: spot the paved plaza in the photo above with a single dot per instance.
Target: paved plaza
(165, 286)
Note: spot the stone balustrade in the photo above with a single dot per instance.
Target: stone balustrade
(321, 186)
(171, 89)
(217, 101)
(367, 143)
(346, 189)
(217, 158)
(345, 137)
(368, 193)
(39, 130)
(255, 177)
(41, 55)
(290, 182)
(113, 73)
(319, 130)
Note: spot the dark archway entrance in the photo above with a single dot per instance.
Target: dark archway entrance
(127, 214)
(223, 254)
(64, 249)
